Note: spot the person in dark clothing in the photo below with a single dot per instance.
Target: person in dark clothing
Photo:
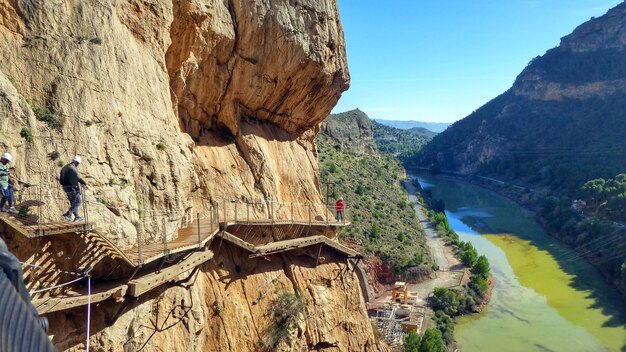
(6, 184)
(70, 180)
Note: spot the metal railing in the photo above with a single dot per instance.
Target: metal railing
(236, 211)
(172, 234)
(40, 210)
(158, 233)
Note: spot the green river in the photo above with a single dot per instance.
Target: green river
(546, 298)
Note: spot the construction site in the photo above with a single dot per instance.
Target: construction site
(398, 314)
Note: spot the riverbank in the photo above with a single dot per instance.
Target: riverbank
(543, 290)
(583, 244)
(450, 272)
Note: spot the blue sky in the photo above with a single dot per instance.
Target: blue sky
(439, 60)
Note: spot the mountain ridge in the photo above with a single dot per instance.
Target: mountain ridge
(436, 127)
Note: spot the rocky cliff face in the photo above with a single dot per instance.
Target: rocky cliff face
(351, 130)
(229, 305)
(174, 105)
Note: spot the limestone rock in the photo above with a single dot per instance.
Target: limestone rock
(175, 105)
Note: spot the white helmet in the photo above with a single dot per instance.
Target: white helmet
(8, 157)
(77, 159)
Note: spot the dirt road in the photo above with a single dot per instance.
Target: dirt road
(450, 271)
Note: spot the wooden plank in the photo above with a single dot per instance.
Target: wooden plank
(54, 304)
(14, 224)
(238, 242)
(141, 285)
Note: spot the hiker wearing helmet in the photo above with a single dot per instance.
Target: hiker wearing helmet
(70, 180)
(340, 206)
(6, 187)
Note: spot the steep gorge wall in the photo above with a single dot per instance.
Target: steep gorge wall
(227, 306)
(174, 105)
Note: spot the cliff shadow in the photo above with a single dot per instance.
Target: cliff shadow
(222, 136)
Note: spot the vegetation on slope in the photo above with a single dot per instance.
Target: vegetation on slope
(565, 66)
(383, 221)
(570, 143)
(606, 198)
(601, 242)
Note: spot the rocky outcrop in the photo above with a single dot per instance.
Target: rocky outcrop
(351, 130)
(174, 105)
(588, 63)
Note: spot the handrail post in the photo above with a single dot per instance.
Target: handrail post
(139, 239)
(217, 214)
(199, 237)
(326, 206)
(271, 211)
(164, 238)
(292, 212)
(39, 218)
(248, 213)
(309, 214)
(84, 204)
(224, 201)
(235, 212)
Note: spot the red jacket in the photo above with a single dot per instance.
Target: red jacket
(340, 205)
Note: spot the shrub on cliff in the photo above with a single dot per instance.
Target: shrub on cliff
(286, 310)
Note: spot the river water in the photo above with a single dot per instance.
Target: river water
(546, 298)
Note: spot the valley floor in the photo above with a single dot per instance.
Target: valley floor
(450, 272)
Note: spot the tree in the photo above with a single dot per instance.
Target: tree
(478, 285)
(445, 300)
(445, 324)
(469, 255)
(412, 342)
(432, 341)
(481, 267)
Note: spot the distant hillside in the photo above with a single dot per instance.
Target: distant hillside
(561, 124)
(405, 125)
(390, 140)
(383, 221)
(421, 131)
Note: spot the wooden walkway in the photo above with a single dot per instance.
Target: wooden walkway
(194, 239)
(29, 227)
(118, 290)
(287, 245)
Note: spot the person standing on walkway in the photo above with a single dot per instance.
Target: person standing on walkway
(6, 184)
(70, 180)
(339, 207)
